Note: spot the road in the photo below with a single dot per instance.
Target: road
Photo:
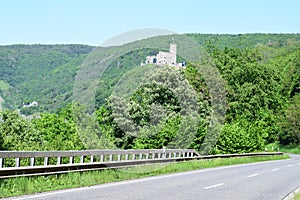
(265, 181)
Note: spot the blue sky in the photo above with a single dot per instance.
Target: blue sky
(94, 21)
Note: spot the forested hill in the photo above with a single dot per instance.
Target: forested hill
(261, 75)
(45, 73)
(42, 73)
(245, 40)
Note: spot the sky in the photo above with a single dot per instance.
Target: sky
(94, 21)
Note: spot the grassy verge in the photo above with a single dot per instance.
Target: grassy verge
(297, 197)
(30, 185)
(287, 149)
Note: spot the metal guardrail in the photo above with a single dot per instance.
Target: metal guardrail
(57, 162)
(27, 163)
(240, 155)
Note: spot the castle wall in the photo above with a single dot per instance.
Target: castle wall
(165, 58)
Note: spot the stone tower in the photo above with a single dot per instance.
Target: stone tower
(173, 52)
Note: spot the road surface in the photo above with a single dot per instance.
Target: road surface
(265, 181)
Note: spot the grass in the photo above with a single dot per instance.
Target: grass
(29, 185)
(297, 197)
(287, 149)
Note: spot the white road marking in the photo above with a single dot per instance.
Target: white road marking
(213, 186)
(252, 175)
(289, 165)
(273, 170)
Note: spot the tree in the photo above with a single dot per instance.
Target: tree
(290, 123)
(18, 133)
(254, 89)
(58, 130)
(240, 136)
(159, 111)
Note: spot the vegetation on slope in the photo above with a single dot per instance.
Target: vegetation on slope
(261, 73)
(42, 73)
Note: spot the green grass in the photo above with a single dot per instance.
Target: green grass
(297, 197)
(287, 149)
(30, 185)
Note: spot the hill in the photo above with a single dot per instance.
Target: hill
(261, 76)
(45, 73)
(41, 73)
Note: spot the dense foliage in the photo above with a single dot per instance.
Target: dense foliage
(261, 73)
(41, 73)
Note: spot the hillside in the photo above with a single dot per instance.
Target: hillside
(42, 73)
(45, 73)
(261, 77)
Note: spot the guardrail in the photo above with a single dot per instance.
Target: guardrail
(31, 163)
(25, 163)
(240, 155)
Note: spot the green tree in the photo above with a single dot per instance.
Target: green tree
(240, 136)
(58, 130)
(254, 89)
(290, 123)
(158, 111)
(18, 133)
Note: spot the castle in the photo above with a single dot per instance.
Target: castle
(165, 58)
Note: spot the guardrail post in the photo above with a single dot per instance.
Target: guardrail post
(101, 158)
(1, 162)
(32, 161)
(147, 156)
(158, 155)
(133, 156)
(71, 159)
(45, 161)
(119, 157)
(153, 156)
(92, 158)
(81, 159)
(17, 162)
(58, 160)
(110, 157)
(164, 155)
(126, 157)
(141, 156)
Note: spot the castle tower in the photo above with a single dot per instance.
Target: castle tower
(173, 52)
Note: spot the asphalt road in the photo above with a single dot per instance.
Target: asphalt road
(268, 180)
